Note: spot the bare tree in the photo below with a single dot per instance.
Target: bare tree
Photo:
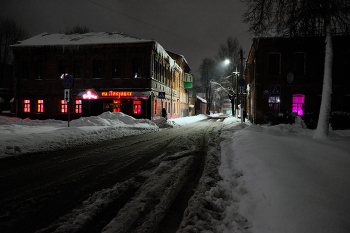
(77, 30)
(208, 71)
(304, 18)
(10, 33)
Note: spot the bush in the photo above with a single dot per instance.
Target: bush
(310, 120)
(340, 120)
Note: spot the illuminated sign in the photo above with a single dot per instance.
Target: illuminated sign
(90, 94)
(117, 94)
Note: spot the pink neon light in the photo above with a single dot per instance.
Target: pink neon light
(89, 95)
(298, 103)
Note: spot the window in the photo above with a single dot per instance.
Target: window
(40, 105)
(117, 105)
(97, 68)
(64, 108)
(78, 106)
(299, 63)
(63, 67)
(137, 68)
(25, 69)
(26, 106)
(40, 70)
(117, 69)
(137, 106)
(274, 64)
(274, 103)
(298, 104)
(78, 69)
(155, 107)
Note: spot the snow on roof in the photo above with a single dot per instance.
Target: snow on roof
(201, 99)
(46, 39)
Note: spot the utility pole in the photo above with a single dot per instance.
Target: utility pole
(241, 94)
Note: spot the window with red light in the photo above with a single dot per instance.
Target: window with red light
(137, 106)
(155, 107)
(26, 105)
(117, 104)
(78, 106)
(298, 104)
(40, 105)
(64, 108)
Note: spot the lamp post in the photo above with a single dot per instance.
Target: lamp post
(234, 101)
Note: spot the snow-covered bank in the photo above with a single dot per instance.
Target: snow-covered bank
(20, 136)
(282, 180)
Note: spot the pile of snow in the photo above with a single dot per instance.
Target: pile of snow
(20, 136)
(282, 180)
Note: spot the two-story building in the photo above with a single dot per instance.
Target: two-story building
(286, 75)
(102, 71)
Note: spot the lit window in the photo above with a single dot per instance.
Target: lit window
(40, 105)
(26, 105)
(64, 108)
(137, 106)
(117, 105)
(155, 107)
(78, 106)
(274, 103)
(298, 104)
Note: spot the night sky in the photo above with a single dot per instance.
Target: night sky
(193, 28)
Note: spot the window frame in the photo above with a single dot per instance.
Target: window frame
(97, 69)
(40, 70)
(78, 106)
(295, 105)
(26, 105)
(298, 64)
(271, 65)
(274, 103)
(116, 68)
(63, 67)
(136, 68)
(64, 107)
(78, 69)
(137, 103)
(40, 107)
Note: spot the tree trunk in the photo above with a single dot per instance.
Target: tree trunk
(325, 110)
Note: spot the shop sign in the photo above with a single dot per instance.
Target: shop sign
(117, 94)
(90, 94)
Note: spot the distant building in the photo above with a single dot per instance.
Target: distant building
(109, 72)
(286, 75)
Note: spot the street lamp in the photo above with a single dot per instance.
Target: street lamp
(234, 73)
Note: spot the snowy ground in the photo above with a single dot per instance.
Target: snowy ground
(271, 178)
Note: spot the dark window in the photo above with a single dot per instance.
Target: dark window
(299, 63)
(137, 68)
(274, 63)
(25, 70)
(63, 68)
(98, 68)
(40, 70)
(117, 68)
(78, 69)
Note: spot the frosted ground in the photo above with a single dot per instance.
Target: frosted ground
(272, 178)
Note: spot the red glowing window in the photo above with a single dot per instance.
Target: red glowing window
(40, 105)
(155, 107)
(298, 104)
(26, 105)
(117, 104)
(137, 106)
(78, 106)
(64, 108)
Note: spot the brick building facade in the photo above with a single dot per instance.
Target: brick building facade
(286, 75)
(111, 72)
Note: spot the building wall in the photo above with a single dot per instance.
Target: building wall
(157, 75)
(308, 83)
